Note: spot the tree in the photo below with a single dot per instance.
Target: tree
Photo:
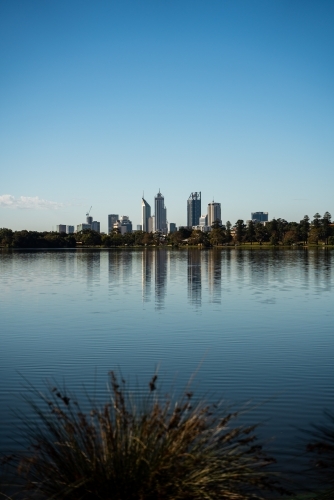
(228, 231)
(290, 237)
(316, 220)
(326, 228)
(260, 232)
(250, 233)
(6, 237)
(217, 236)
(198, 238)
(304, 228)
(239, 230)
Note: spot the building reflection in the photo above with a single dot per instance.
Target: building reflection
(120, 267)
(89, 262)
(214, 274)
(194, 277)
(146, 269)
(160, 267)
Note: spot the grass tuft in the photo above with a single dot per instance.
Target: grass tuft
(141, 448)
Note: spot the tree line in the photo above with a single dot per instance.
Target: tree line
(276, 232)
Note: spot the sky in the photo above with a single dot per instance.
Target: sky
(102, 100)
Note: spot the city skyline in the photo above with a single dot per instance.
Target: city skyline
(232, 98)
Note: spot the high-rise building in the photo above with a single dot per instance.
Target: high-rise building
(83, 226)
(160, 213)
(69, 229)
(214, 213)
(193, 209)
(151, 224)
(89, 220)
(139, 227)
(95, 226)
(145, 214)
(112, 218)
(260, 216)
(203, 220)
(126, 224)
(61, 228)
(171, 227)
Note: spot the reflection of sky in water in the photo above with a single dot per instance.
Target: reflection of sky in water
(260, 321)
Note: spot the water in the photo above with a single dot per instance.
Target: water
(257, 324)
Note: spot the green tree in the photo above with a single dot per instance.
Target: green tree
(290, 237)
(239, 230)
(89, 237)
(250, 232)
(316, 220)
(304, 228)
(326, 227)
(6, 237)
(228, 232)
(198, 238)
(217, 236)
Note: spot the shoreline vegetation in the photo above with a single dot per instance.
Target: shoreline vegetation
(145, 444)
(275, 234)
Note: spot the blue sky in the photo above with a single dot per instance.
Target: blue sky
(101, 100)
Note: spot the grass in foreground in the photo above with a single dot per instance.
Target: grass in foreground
(143, 448)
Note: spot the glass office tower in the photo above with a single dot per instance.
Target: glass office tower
(193, 209)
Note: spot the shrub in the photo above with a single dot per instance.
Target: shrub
(321, 449)
(147, 447)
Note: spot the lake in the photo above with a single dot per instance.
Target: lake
(256, 326)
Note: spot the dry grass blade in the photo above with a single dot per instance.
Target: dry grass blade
(142, 448)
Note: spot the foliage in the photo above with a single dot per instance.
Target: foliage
(151, 447)
(321, 448)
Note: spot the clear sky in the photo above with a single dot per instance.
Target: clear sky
(100, 100)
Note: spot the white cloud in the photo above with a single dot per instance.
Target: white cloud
(28, 202)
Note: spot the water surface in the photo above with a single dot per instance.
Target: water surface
(260, 324)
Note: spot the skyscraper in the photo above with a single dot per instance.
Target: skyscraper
(260, 216)
(214, 213)
(160, 213)
(112, 218)
(193, 209)
(145, 214)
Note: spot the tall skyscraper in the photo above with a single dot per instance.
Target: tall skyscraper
(160, 213)
(145, 214)
(193, 209)
(260, 216)
(214, 213)
(112, 218)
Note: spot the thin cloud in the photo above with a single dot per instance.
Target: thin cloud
(28, 202)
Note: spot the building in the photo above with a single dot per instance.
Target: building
(112, 218)
(203, 220)
(69, 229)
(139, 227)
(193, 209)
(214, 213)
(83, 226)
(151, 224)
(260, 216)
(160, 213)
(95, 226)
(145, 214)
(61, 228)
(124, 224)
(204, 229)
(171, 226)
(89, 220)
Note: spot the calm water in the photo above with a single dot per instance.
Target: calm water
(260, 323)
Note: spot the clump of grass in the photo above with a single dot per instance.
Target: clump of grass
(321, 449)
(142, 448)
